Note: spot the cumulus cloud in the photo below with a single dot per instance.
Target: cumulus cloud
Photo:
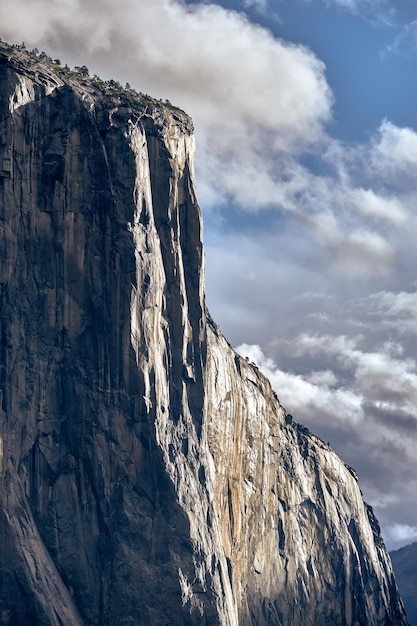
(365, 252)
(225, 70)
(391, 311)
(378, 207)
(393, 154)
(395, 305)
(350, 223)
(316, 391)
(379, 375)
(364, 404)
(353, 252)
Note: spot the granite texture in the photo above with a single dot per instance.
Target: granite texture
(149, 475)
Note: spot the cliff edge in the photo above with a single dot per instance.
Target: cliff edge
(149, 474)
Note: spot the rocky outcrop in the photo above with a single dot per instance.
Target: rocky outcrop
(149, 474)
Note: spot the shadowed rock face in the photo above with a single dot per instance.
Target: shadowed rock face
(149, 475)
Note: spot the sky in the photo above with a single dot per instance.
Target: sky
(305, 115)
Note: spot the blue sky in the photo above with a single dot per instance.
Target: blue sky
(369, 53)
(366, 78)
(305, 114)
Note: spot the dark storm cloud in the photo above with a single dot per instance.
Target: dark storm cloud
(398, 421)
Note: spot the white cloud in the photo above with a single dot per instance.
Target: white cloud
(396, 311)
(353, 252)
(364, 404)
(316, 392)
(393, 154)
(229, 73)
(364, 253)
(370, 204)
(403, 303)
(306, 343)
(378, 376)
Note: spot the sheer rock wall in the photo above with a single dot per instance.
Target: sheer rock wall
(149, 474)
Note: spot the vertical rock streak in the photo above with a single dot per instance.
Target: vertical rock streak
(149, 474)
(169, 351)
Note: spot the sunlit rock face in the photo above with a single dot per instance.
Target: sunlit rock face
(149, 475)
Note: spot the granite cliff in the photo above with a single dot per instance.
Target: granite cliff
(149, 474)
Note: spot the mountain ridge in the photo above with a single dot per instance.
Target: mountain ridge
(404, 561)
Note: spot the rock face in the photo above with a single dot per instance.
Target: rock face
(149, 475)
